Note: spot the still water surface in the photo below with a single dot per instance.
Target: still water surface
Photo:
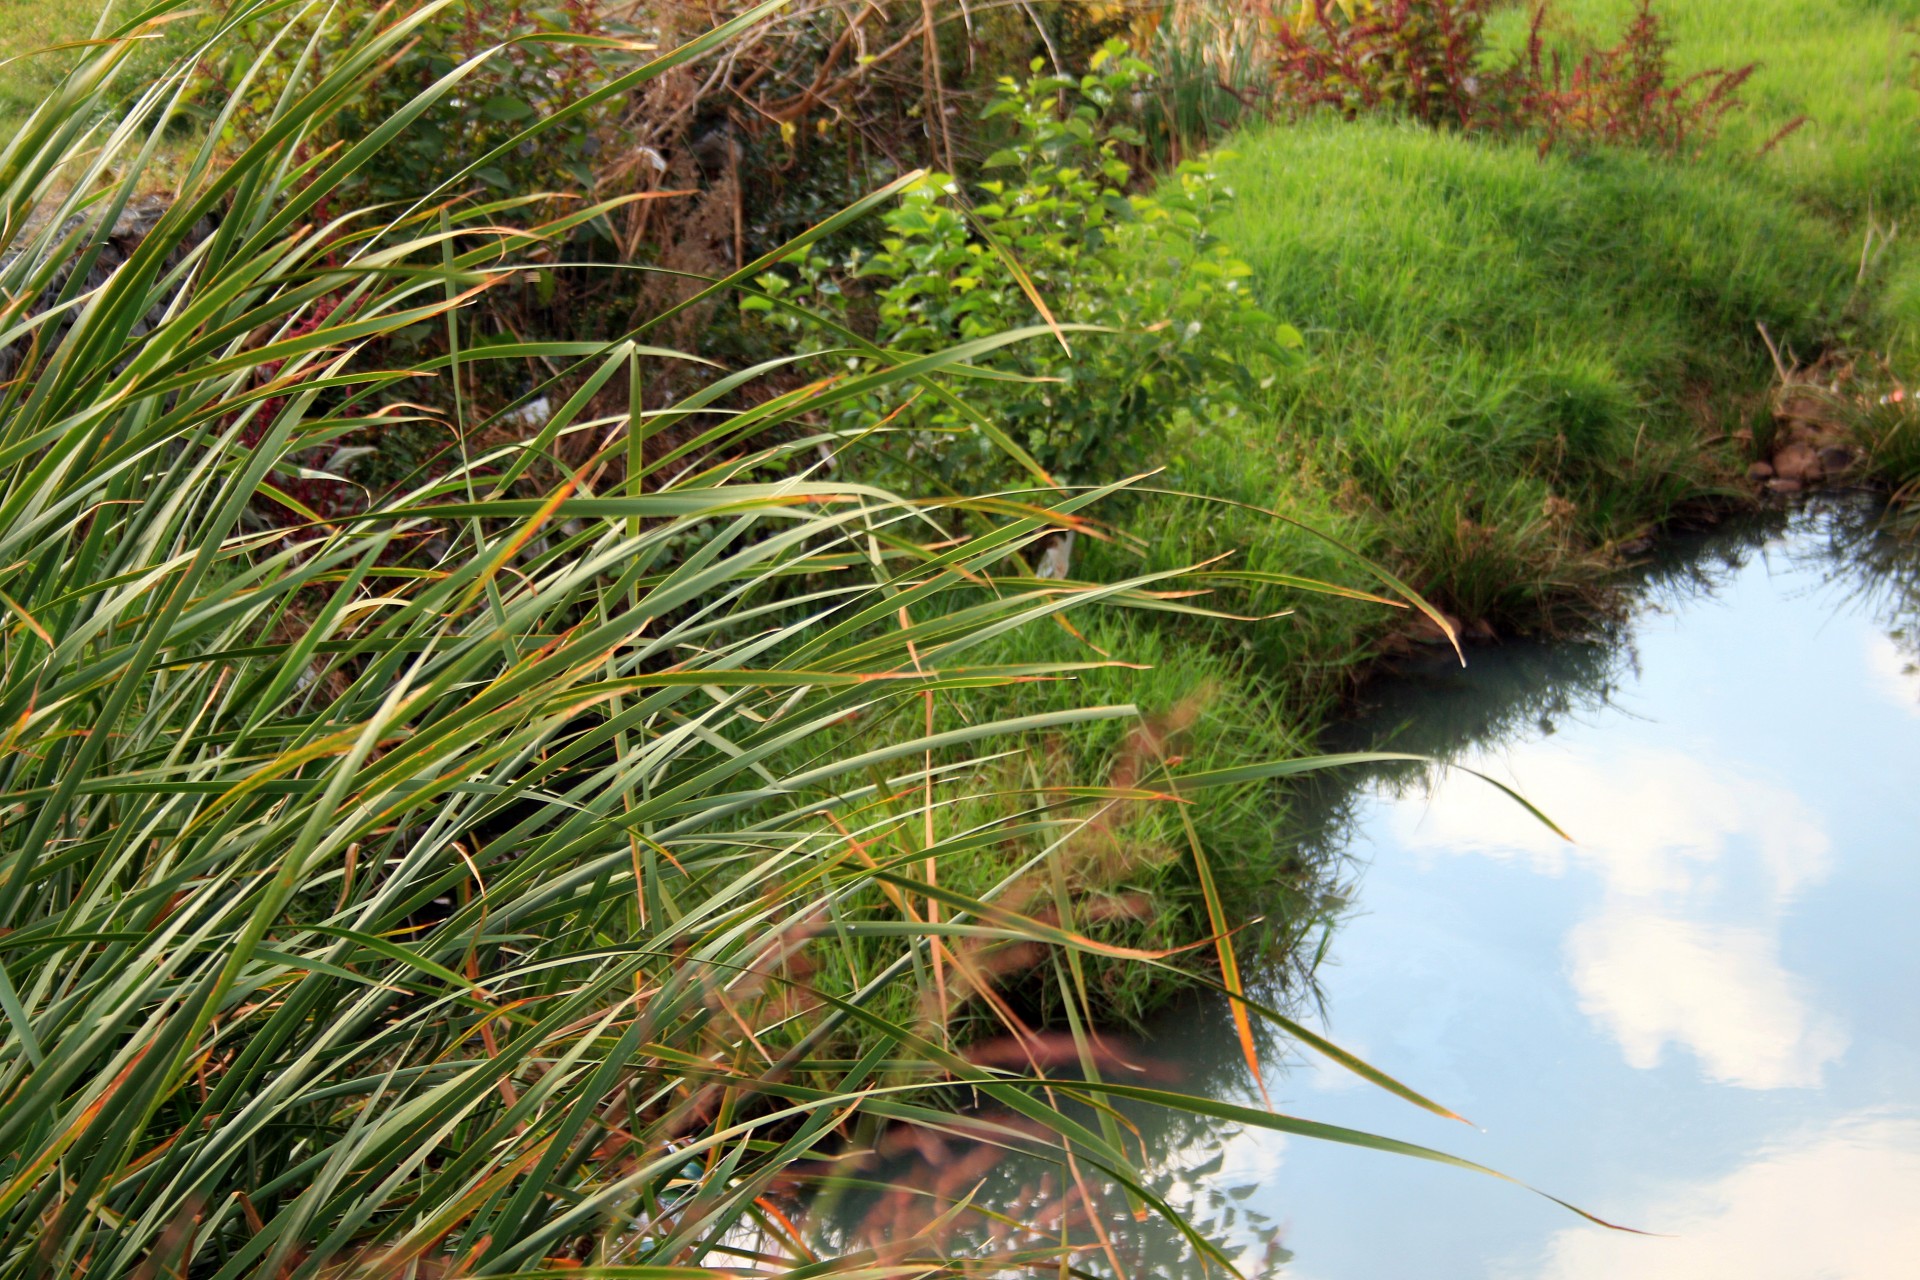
(1701, 1018)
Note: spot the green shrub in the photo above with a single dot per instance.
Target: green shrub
(1151, 312)
(553, 57)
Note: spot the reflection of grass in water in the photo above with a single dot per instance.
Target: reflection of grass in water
(1868, 564)
(906, 1180)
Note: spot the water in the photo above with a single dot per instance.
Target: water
(1700, 1019)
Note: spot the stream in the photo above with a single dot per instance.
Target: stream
(1698, 1019)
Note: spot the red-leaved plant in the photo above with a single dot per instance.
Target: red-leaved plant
(1624, 94)
(1427, 59)
(1417, 56)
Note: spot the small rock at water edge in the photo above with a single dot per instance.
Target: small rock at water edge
(1835, 459)
(1760, 471)
(1797, 462)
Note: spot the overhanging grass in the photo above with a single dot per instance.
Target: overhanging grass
(1129, 878)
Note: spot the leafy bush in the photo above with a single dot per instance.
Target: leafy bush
(553, 57)
(1057, 240)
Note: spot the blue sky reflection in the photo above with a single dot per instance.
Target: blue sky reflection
(1699, 1018)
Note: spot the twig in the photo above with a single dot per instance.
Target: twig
(1778, 364)
(739, 210)
(936, 90)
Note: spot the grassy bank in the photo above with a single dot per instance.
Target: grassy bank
(1844, 67)
(1846, 70)
(1517, 364)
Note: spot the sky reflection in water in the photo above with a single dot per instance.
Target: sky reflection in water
(1700, 1018)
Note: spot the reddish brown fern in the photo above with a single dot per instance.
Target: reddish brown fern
(1426, 59)
(1623, 94)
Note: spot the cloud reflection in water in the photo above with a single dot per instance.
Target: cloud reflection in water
(1834, 1205)
(1699, 864)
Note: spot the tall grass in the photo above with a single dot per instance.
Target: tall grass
(1207, 78)
(493, 879)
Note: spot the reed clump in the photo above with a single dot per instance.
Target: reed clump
(544, 861)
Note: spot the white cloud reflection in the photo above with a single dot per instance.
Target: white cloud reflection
(1893, 672)
(1719, 990)
(1835, 1205)
(1698, 864)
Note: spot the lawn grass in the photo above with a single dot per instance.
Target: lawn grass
(34, 58)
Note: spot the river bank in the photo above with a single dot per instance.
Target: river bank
(548, 863)
(1520, 370)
